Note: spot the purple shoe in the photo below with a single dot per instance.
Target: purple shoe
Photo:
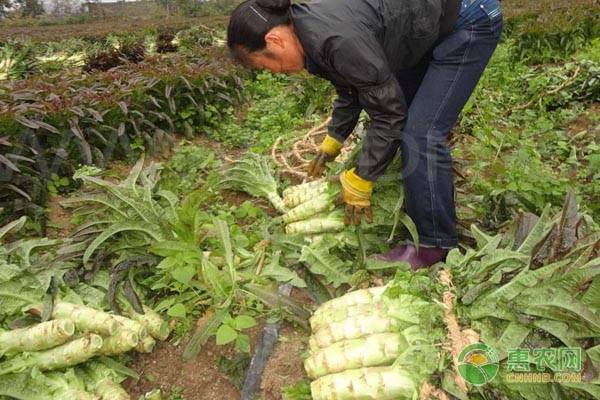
(392, 255)
(426, 257)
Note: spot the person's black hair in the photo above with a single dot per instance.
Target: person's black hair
(251, 21)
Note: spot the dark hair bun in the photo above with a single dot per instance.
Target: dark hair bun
(275, 6)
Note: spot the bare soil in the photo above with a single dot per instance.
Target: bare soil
(199, 379)
(59, 218)
(285, 367)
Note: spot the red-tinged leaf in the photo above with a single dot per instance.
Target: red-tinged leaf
(4, 142)
(19, 191)
(123, 107)
(98, 135)
(8, 163)
(27, 122)
(97, 116)
(48, 127)
(187, 83)
(74, 124)
(78, 111)
(18, 157)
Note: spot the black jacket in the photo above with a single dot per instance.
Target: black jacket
(358, 45)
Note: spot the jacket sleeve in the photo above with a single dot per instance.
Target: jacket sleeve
(346, 111)
(360, 60)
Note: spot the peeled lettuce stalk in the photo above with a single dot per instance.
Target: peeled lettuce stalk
(374, 383)
(156, 326)
(327, 317)
(404, 308)
(353, 328)
(104, 382)
(66, 355)
(370, 351)
(363, 296)
(86, 319)
(294, 195)
(317, 204)
(121, 342)
(128, 324)
(146, 345)
(333, 222)
(38, 337)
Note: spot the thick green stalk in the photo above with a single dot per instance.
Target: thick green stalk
(364, 296)
(157, 327)
(103, 381)
(317, 204)
(370, 351)
(374, 383)
(294, 195)
(124, 323)
(146, 345)
(327, 317)
(121, 342)
(277, 202)
(66, 355)
(38, 337)
(321, 223)
(86, 319)
(354, 328)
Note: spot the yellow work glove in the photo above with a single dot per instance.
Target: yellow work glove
(356, 194)
(328, 151)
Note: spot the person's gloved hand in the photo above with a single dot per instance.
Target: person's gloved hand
(356, 194)
(328, 151)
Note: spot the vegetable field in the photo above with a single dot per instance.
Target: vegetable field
(159, 238)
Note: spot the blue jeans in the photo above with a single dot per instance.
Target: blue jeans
(436, 91)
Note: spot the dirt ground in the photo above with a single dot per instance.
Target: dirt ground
(284, 367)
(59, 218)
(201, 379)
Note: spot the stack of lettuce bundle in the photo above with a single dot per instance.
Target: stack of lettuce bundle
(536, 287)
(367, 345)
(69, 335)
(76, 334)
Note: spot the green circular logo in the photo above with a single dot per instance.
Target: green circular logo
(478, 364)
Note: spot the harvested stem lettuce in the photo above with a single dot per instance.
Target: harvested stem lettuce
(66, 355)
(38, 337)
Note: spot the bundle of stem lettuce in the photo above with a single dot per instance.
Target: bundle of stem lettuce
(77, 334)
(357, 340)
(312, 208)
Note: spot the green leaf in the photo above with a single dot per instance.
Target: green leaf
(148, 229)
(410, 226)
(242, 343)
(177, 310)
(183, 274)
(201, 335)
(169, 248)
(281, 274)
(539, 231)
(225, 237)
(226, 334)
(243, 322)
(16, 225)
(320, 261)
